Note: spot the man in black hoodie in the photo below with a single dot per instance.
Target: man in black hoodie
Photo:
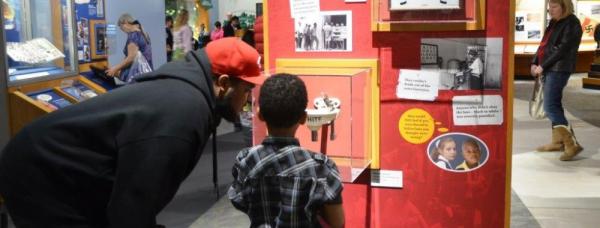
(116, 160)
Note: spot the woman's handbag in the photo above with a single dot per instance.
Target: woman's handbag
(536, 103)
(138, 67)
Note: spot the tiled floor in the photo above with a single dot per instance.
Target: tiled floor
(559, 194)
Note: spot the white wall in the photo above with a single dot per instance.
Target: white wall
(237, 7)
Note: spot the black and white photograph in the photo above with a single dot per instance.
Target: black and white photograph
(520, 23)
(327, 31)
(424, 4)
(464, 63)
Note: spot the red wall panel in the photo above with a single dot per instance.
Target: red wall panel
(431, 197)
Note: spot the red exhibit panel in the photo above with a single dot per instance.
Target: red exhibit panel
(444, 103)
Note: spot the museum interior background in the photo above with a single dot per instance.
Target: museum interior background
(408, 79)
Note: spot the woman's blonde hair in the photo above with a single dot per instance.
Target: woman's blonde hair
(181, 19)
(566, 5)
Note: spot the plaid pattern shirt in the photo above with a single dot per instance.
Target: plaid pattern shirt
(280, 184)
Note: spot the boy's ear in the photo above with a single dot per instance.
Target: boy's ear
(303, 118)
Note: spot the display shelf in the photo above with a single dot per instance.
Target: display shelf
(29, 102)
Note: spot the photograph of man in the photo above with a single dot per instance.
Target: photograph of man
(328, 31)
(475, 70)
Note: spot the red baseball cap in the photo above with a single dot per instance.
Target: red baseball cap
(233, 57)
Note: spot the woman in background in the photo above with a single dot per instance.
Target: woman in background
(137, 40)
(182, 35)
(217, 33)
(554, 61)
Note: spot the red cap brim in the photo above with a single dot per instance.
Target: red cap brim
(256, 80)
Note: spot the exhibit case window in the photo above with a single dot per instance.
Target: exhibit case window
(428, 15)
(39, 40)
(339, 115)
(532, 18)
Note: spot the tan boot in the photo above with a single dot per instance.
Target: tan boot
(555, 145)
(572, 147)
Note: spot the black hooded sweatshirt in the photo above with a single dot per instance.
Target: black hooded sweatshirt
(115, 160)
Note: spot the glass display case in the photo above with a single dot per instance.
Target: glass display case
(341, 112)
(39, 40)
(28, 104)
(428, 15)
(531, 19)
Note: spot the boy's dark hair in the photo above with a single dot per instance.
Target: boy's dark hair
(168, 18)
(218, 24)
(282, 100)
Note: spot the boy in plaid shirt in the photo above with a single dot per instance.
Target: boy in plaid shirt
(278, 183)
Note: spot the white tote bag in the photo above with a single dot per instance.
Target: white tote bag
(536, 103)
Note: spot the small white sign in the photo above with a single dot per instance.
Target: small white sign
(386, 178)
(477, 110)
(302, 8)
(418, 85)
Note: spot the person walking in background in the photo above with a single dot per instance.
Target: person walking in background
(231, 26)
(278, 183)
(203, 36)
(216, 33)
(182, 35)
(554, 61)
(168, 30)
(137, 40)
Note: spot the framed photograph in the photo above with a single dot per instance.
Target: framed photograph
(423, 4)
(98, 39)
(328, 31)
(464, 63)
(429, 54)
